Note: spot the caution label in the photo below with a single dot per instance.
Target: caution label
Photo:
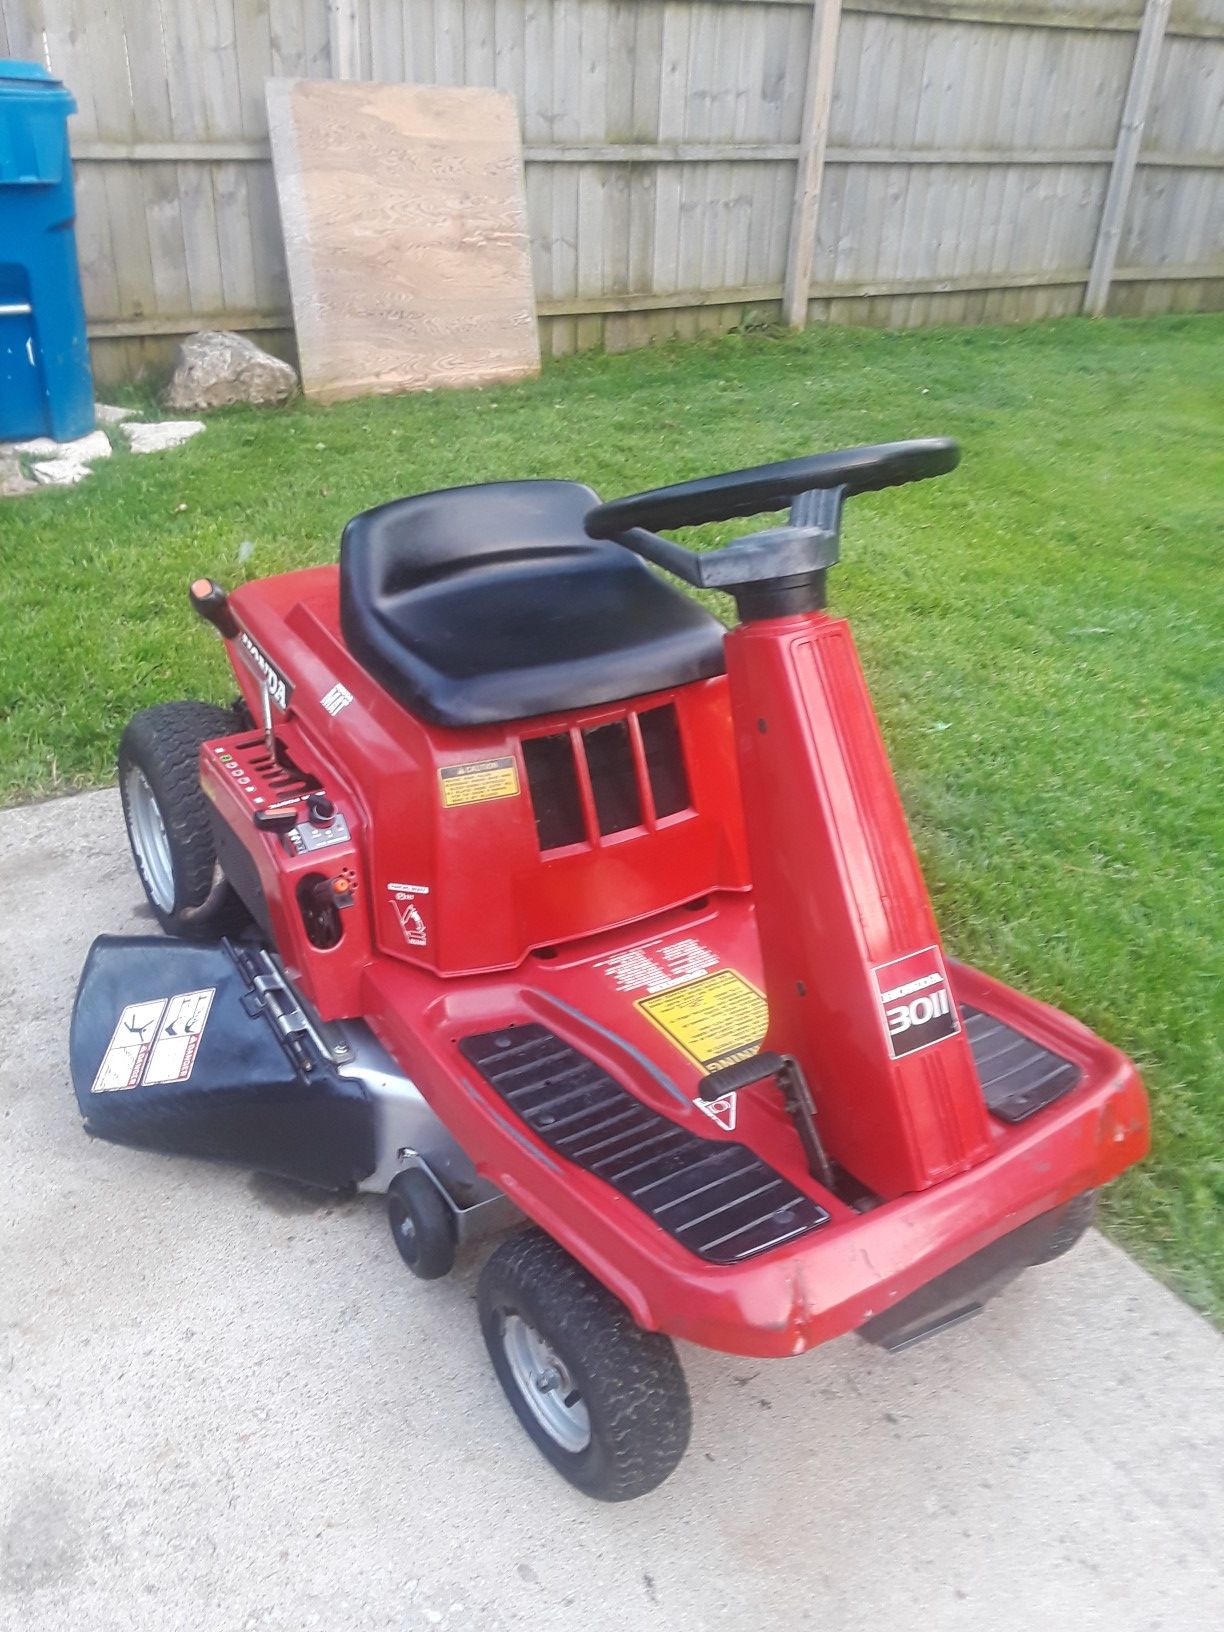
(716, 1020)
(178, 1037)
(483, 780)
(128, 1051)
(154, 1042)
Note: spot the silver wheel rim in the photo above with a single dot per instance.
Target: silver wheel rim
(150, 840)
(405, 1232)
(541, 1377)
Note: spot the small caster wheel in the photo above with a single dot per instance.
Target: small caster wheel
(422, 1225)
(603, 1400)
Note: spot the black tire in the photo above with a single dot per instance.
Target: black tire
(159, 752)
(1077, 1215)
(629, 1381)
(422, 1225)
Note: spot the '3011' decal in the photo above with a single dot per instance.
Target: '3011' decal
(916, 1001)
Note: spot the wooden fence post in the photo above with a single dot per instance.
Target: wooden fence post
(809, 173)
(343, 39)
(1126, 154)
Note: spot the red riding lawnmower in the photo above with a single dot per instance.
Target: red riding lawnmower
(514, 885)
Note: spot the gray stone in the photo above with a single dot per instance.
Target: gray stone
(71, 461)
(13, 481)
(216, 368)
(106, 414)
(168, 433)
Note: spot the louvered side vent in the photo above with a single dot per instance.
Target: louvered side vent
(660, 730)
(633, 767)
(552, 777)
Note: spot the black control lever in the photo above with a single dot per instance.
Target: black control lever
(788, 1073)
(277, 818)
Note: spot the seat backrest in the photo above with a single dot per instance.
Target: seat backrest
(409, 542)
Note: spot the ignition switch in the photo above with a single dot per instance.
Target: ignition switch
(322, 810)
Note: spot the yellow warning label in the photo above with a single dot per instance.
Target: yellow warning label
(474, 784)
(716, 1020)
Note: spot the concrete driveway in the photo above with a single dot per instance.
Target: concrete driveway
(228, 1406)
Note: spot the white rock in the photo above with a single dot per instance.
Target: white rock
(82, 451)
(87, 448)
(216, 368)
(168, 434)
(59, 472)
(105, 414)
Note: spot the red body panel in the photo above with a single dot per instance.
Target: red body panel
(577, 937)
(491, 898)
(816, 1288)
(839, 895)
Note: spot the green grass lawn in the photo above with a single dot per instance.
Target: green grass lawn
(1043, 631)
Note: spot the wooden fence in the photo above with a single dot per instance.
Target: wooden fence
(691, 164)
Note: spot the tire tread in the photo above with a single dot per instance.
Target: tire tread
(164, 742)
(634, 1385)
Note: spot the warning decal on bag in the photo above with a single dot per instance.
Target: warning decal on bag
(716, 1020)
(916, 1001)
(474, 784)
(178, 1037)
(154, 1042)
(129, 1048)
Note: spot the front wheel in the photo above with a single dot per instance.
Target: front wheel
(422, 1225)
(167, 819)
(603, 1400)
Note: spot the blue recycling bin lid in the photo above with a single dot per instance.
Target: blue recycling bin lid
(34, 109)
(14, 68)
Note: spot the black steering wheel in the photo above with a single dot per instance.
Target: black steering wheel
(772, 487)
(784, 568)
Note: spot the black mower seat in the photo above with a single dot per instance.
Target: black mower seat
(481, 604)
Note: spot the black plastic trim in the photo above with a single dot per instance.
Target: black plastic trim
(1019, 1077)
(966, 1288)
(715, 1197)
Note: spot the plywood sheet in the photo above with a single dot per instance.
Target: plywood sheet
(405, 228)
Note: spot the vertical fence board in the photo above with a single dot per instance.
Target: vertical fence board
(809, 169)
(1126, 154)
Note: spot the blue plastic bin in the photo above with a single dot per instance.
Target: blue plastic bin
(46, 388)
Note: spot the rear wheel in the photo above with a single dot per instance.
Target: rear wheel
(1077, 1216)
(167, 819)
(603, 1400)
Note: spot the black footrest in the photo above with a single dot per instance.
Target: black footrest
(716, 1198)
(1019, 1077)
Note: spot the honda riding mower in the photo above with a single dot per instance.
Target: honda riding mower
(514, 885)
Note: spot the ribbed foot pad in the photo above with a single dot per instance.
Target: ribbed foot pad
(1018, 1076)
(716, 1198)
